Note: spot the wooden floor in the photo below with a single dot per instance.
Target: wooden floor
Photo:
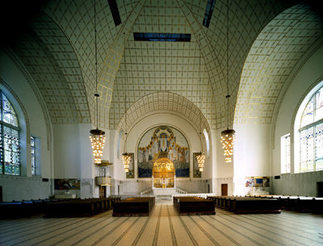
(165, 227)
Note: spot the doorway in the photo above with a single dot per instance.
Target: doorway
(102, 191)
(319, 189)
(224, 189)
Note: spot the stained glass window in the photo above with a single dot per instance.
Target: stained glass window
(33, 155)
(9, 138)
(311, 134)
(285, 154)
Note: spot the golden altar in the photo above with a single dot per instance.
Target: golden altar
(163, 174)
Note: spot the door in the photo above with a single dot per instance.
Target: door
(320, 189)
(224, 189)
(102, 191)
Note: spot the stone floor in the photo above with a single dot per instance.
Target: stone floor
(165, 227)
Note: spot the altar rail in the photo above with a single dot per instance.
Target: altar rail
(202, 195)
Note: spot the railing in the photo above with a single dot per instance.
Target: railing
(180, 191)
(149, 190)
(203, 195)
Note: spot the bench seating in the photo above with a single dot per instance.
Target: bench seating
(186, 205)
(300, 203)
(19, 209)
(134, 206)
(247, 204)
(77, 207)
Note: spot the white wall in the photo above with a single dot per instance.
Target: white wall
(251, 154)
(306, 77)
(73, 157)
(17, 80)
(67, 151)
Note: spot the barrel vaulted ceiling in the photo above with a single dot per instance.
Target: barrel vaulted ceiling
(59, 54)
(271, 60)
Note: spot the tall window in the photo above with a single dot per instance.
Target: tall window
(311, 134)
(285, 153)
(9, 138)
(35, 155)
(207, 141)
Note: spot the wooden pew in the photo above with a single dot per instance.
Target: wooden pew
(134, 206)
(193, 205)
(247, 204)
(254, 205)
(76, 207)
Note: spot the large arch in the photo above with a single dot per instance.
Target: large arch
(271, 59)
(52, 63)
(164, 101)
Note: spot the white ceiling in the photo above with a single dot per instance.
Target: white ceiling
(59, 54)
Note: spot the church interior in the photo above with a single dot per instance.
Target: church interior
(180, 104)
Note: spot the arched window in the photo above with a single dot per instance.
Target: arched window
(207, 141)
(310, 132)
(9, 138)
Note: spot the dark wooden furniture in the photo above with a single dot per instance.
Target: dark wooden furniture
(247, 204)
(77, 207)
(193, 205)
(134, 206)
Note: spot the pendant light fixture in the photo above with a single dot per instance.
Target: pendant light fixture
(200, 156)
(97, 136)
(126, 157)
(227, 136)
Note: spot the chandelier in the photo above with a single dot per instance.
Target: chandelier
(200, 160)
(227, 136)
(227, 139)
(97, 136)
(126, 157)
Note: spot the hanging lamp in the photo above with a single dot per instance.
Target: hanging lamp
(97, 136)
(200, 156)
(126, 157)
(227, 136)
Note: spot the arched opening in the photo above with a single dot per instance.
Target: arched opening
(163, 173)
(308, 132)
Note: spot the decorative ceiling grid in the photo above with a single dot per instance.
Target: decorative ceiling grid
(47, 76)
(162, 66)
(76, 19)
(271, 59)
(149, 63)
(164, 101)
(246, 20)
(61, 50)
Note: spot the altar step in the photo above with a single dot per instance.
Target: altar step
(164, 197)
(163, 192)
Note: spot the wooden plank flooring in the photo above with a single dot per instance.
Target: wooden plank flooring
(165, 227)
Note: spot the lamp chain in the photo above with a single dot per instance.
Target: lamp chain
(96, 68)
(124, 89)
(227, 70)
